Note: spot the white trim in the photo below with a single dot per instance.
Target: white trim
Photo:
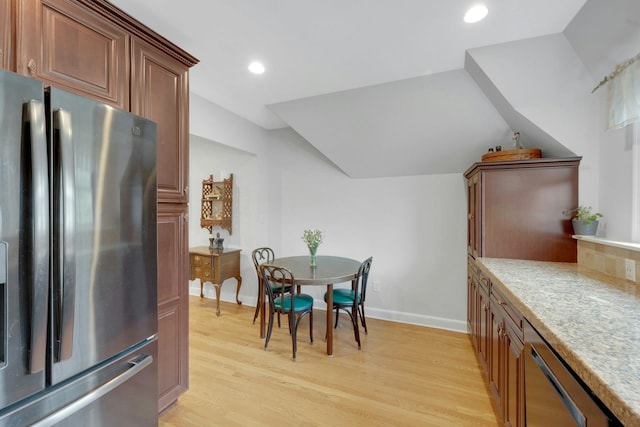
(417, 319)
(614, 243)
(370, 312)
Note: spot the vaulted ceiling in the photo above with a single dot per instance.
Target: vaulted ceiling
(378, 86)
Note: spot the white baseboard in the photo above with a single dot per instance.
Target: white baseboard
(374, 313)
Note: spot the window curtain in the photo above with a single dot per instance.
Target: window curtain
(624, 94)
(624, 97)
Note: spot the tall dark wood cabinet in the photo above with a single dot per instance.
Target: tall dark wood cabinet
(160, 92)
(514, 210)
(92, 48)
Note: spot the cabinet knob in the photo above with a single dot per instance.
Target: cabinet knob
(31, 65)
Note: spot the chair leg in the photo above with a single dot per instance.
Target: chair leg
(292, 327)
(260, 303)
(356, 329)
(255, 315)
(311, 325)
(337, 316)
(269, 330)
(362, 318)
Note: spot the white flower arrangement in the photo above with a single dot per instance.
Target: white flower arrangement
(312, 238)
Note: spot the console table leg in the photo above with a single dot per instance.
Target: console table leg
(217, 287)
(201, 285)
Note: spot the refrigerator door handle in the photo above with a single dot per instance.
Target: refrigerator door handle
(65, 203)
(34, 118)
(136, 365)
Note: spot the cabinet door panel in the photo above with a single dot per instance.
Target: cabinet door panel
(496, 356)
(173, 303)
(514, 380)
(6, 34)
(473, 199)
(168, 355)
(472, 301)
(160, 92)
(484, 335)
(71, 48)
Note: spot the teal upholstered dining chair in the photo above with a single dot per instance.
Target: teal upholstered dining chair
(262, 256)
(352, 300)
(294, 304)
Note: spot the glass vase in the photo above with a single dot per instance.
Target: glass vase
(312, 257)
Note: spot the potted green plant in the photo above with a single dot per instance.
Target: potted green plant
(584, 221)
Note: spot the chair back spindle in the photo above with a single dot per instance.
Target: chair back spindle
(260, 256)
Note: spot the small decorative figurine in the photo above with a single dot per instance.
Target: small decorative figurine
(516, 139)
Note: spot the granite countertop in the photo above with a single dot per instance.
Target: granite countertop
(590, 319)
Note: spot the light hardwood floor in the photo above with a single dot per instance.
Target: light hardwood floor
(404, 375)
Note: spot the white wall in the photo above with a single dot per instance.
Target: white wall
(617, 38)
(207, 158)
(544, 80)
(414, 227)
(616, 174)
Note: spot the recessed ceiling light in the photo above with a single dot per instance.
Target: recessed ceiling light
(256, 67)
(475, 14)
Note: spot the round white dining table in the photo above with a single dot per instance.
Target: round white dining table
(328, 271)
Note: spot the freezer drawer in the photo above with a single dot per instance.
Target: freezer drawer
(120, 392)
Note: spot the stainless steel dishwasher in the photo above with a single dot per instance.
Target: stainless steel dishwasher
(554, 396)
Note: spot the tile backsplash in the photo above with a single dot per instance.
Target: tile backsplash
(607, 257)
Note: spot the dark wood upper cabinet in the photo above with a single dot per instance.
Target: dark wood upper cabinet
(160, 92)
(63, 44)
(515, 209)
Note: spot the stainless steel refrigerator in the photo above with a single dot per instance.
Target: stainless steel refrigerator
(78, 304)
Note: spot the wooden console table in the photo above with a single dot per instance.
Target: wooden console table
(215, 266)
